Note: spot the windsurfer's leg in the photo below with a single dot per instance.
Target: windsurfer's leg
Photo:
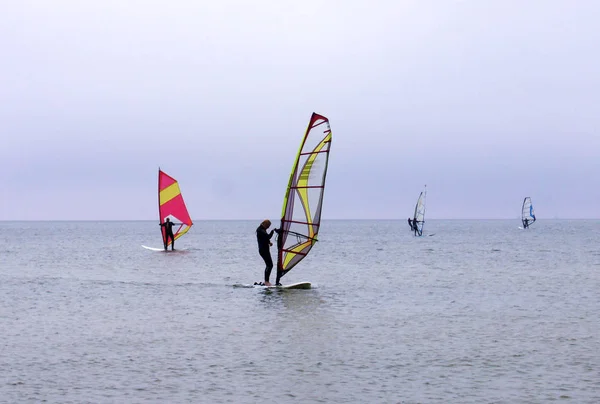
(172, 242)
(266, 256)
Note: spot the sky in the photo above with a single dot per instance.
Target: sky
(486, 102)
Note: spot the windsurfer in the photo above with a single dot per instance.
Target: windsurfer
(526, 223)
(168, 225)
(264, 244)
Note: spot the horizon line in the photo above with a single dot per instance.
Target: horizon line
(232, 220)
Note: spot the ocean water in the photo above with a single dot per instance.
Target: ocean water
(478, 312)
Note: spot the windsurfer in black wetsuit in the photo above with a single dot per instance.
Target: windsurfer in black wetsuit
(264, 245)
(168, 227)
(526, 223)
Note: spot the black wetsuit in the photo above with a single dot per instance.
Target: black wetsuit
(168, 234)
(263, 239)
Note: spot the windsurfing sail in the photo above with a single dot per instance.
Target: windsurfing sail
(527, 213)
(301, 214)
(172, 206)
(419, 216)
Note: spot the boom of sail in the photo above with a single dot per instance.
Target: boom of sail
(527, 213)
(301, 214)
(419, 216)
(172, 206)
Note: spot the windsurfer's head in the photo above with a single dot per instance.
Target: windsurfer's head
(266, 223)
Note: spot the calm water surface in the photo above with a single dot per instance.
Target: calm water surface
(480, 312)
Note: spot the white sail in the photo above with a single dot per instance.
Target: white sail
(527, 213)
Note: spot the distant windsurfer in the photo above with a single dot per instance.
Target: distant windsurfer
(168, 228)
(526, 223)
(416, 226)
(264, 245)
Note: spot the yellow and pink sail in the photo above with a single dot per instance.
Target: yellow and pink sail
(171, 205)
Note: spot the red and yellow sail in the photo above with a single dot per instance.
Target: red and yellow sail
(172, 206)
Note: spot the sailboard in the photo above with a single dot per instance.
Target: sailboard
(171, 205)
(527, 213)
(419, 216)
(152, 248)
(303, 201)
(297, 285)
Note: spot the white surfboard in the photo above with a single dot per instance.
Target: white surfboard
(297, 285)
(153, 248)
(163, 249)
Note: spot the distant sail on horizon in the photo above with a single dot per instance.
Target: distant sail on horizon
(171, 205)
(419, 215)
(303, 201)
(527, 213)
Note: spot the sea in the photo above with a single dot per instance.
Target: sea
(475, 311)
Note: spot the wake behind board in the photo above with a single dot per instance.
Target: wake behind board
(297, 285)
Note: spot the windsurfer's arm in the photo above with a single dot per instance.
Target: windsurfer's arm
(264, 238)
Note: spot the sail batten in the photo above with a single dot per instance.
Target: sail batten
(314, 152)
(303, 201)
(306, 223)
(295, 252)
(171, 205)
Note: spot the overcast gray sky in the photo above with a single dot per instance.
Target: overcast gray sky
(486, 102)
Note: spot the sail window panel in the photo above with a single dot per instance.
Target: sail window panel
(319, 130)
